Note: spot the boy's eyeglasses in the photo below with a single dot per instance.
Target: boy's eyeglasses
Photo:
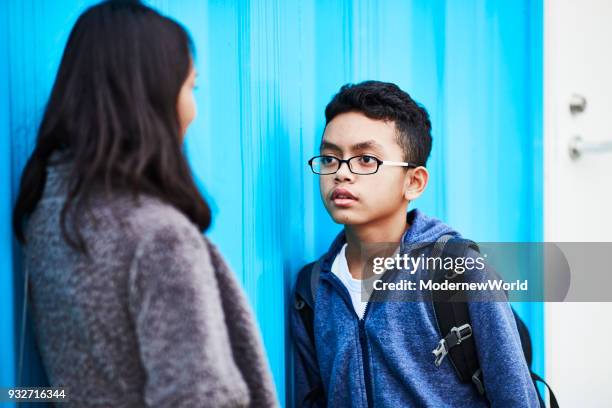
(363, 164)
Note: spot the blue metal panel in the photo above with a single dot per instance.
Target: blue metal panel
(35, 34)
(492, 132)
(7, 355)
(266, 71)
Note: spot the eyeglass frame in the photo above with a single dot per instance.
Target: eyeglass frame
(378, 161)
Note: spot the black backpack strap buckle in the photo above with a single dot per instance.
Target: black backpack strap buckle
(452, 339)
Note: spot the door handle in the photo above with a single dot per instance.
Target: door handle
(578, 147)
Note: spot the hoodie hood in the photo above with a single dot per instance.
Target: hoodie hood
(423, 231)
(424, 228)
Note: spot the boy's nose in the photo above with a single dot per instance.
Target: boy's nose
(344, 173)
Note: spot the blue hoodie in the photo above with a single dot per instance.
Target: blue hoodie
(386, 360)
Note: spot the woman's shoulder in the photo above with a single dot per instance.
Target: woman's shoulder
(149, 217)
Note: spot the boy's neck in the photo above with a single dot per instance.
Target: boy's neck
(388, 230)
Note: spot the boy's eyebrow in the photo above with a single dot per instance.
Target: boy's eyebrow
(369, 144)
(329, 146)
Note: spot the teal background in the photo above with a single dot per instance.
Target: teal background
(266, 71)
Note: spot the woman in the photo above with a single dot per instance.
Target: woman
(132, 305)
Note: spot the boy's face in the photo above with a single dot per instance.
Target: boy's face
(356, 199)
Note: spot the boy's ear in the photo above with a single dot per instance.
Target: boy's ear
(415, 182)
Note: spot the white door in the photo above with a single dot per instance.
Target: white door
(578, 188)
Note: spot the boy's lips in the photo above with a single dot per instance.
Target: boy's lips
(342, 197)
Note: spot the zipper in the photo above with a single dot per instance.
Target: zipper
(363, 339)
(365, 356)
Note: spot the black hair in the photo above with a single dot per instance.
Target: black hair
(113, 107)
(386, 101)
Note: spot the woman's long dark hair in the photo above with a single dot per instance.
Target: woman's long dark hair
(114, 108)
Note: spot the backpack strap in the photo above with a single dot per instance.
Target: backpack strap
(553, 400)
(305, 294)
(453, 317)
(527, 351)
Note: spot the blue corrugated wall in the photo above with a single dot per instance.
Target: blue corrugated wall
(266, 71)
(7, 356)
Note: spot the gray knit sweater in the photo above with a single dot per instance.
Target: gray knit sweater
(153, 318)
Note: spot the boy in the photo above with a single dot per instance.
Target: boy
(379, 354)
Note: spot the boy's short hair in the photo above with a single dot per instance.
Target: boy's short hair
(386, 101)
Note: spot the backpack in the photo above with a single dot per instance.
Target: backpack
(452, 318)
